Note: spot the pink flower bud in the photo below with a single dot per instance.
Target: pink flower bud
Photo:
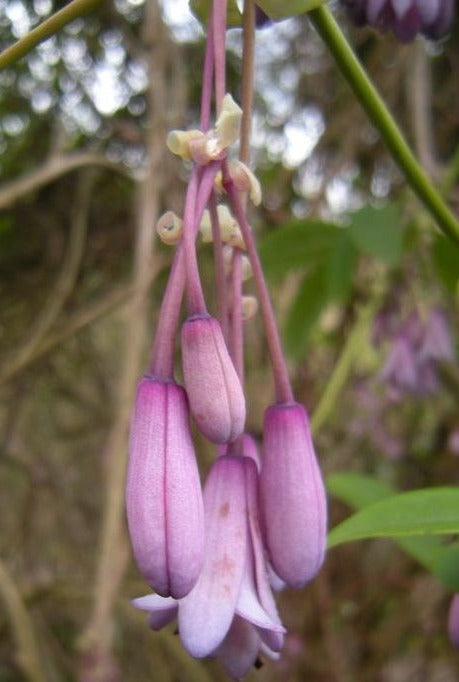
(293, 501)
(163, 496)
(214, 390)
(453, 621)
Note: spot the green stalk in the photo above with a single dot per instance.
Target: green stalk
(47, 28)
(374, 106)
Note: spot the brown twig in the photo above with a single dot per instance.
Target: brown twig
(111, 563)
(63, 285)
(28, 652)
(51, 170)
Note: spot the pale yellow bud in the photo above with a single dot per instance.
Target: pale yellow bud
(246, 181)
(169, 228)
(246, 269)
(249, 307)
(178, 141)
(205, 228)
(228, 124)
(229, 228)
(218, 183)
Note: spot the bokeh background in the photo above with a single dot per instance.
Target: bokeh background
(354, 263)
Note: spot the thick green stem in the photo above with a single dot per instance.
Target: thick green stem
(374, 106)
(47, 28)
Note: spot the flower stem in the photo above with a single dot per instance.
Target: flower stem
(47, 28)
(219, 41)
(220, 277)
(284, 392)
(374, 106)
(237, 328)
(162, 356)
(208, 72)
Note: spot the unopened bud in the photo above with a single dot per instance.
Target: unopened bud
(205, 228)
(216, 398)
(246, 181)
(249, 307)
(228, 124)
(179, 141)
(230, 231)
(169, 228)
(228, 259)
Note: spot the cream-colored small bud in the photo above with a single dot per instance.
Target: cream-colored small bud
(249, 307)
(229, 228)
(199, 150)
(205, 228)
(246, 181)
(169, 228)
(218, 183)
(228, 262)
(246, 269)
(178, 141)
(228, 124)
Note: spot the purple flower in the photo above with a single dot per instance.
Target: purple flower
(406, 18)
(436, 344)
(230, 613)
(293, 500)
(453, 621)
(163, 494)
(401, 370)
(216, 398)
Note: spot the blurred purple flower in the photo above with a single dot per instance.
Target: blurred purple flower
(230, 613)
(453, 621)
(406, 18)
(411, 366)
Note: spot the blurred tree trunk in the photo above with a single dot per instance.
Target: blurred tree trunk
(97, 663)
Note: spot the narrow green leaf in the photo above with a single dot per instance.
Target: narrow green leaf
(377, 232)
(341, 268)
(418, 512)
(309, 302)
(358, 490)
(297, 245)
(290, 8)
(446, 261)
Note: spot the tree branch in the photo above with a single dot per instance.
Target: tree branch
(47, 28)
(53, 169)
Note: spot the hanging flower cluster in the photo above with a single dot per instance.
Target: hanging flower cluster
(406, 18)
(214, 557)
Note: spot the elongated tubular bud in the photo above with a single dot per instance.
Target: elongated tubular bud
(453, 621)
(293, 501)
(216, 398)
(163, 494)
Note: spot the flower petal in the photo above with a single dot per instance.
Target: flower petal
(206, 613)
(239, 650)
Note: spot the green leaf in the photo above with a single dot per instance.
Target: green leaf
(358, 490)
(297, 245)
(291, 8)
(307, 306)
(418, 512)
(341, 268)
(446, 261)
(377, 232)
(201, 9)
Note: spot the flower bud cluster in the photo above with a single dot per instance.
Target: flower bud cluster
(214, 556)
